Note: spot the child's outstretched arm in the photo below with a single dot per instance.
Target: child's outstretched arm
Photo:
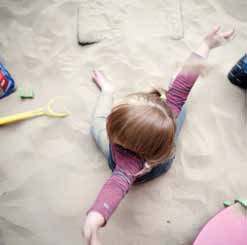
(185, 79)
(112, 193)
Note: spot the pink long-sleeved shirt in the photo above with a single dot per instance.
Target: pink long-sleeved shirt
(129, 164)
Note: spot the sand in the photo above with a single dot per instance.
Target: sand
(51, 169)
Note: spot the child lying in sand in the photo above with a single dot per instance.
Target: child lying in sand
(137, 136)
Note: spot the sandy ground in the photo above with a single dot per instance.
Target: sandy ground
(51, 169)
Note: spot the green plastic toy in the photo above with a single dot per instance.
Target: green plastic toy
(26, 93)
(241, 201)
(227, 203)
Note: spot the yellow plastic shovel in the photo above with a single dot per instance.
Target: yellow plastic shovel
(35, 113)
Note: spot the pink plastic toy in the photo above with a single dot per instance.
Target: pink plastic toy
(228, 227)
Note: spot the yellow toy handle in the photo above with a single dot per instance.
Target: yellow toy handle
(52, 113)
(35, 113)
(21, 116)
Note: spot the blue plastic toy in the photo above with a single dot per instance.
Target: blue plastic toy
(7, 84)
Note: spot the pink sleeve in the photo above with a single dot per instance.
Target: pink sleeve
(117, 186)
(183, 83)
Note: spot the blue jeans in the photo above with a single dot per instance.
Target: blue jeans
(98, 130)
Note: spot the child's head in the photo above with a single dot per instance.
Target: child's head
(144, 124)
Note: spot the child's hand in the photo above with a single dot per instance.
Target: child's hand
(93, 222)
(101, 81)
(216, 38)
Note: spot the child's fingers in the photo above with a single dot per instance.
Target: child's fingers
(98, 72)
(97, 75)
(94, 77)
(216, 29)
(233, 36)
(94, 73)
(97, 84)
(228, 34)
